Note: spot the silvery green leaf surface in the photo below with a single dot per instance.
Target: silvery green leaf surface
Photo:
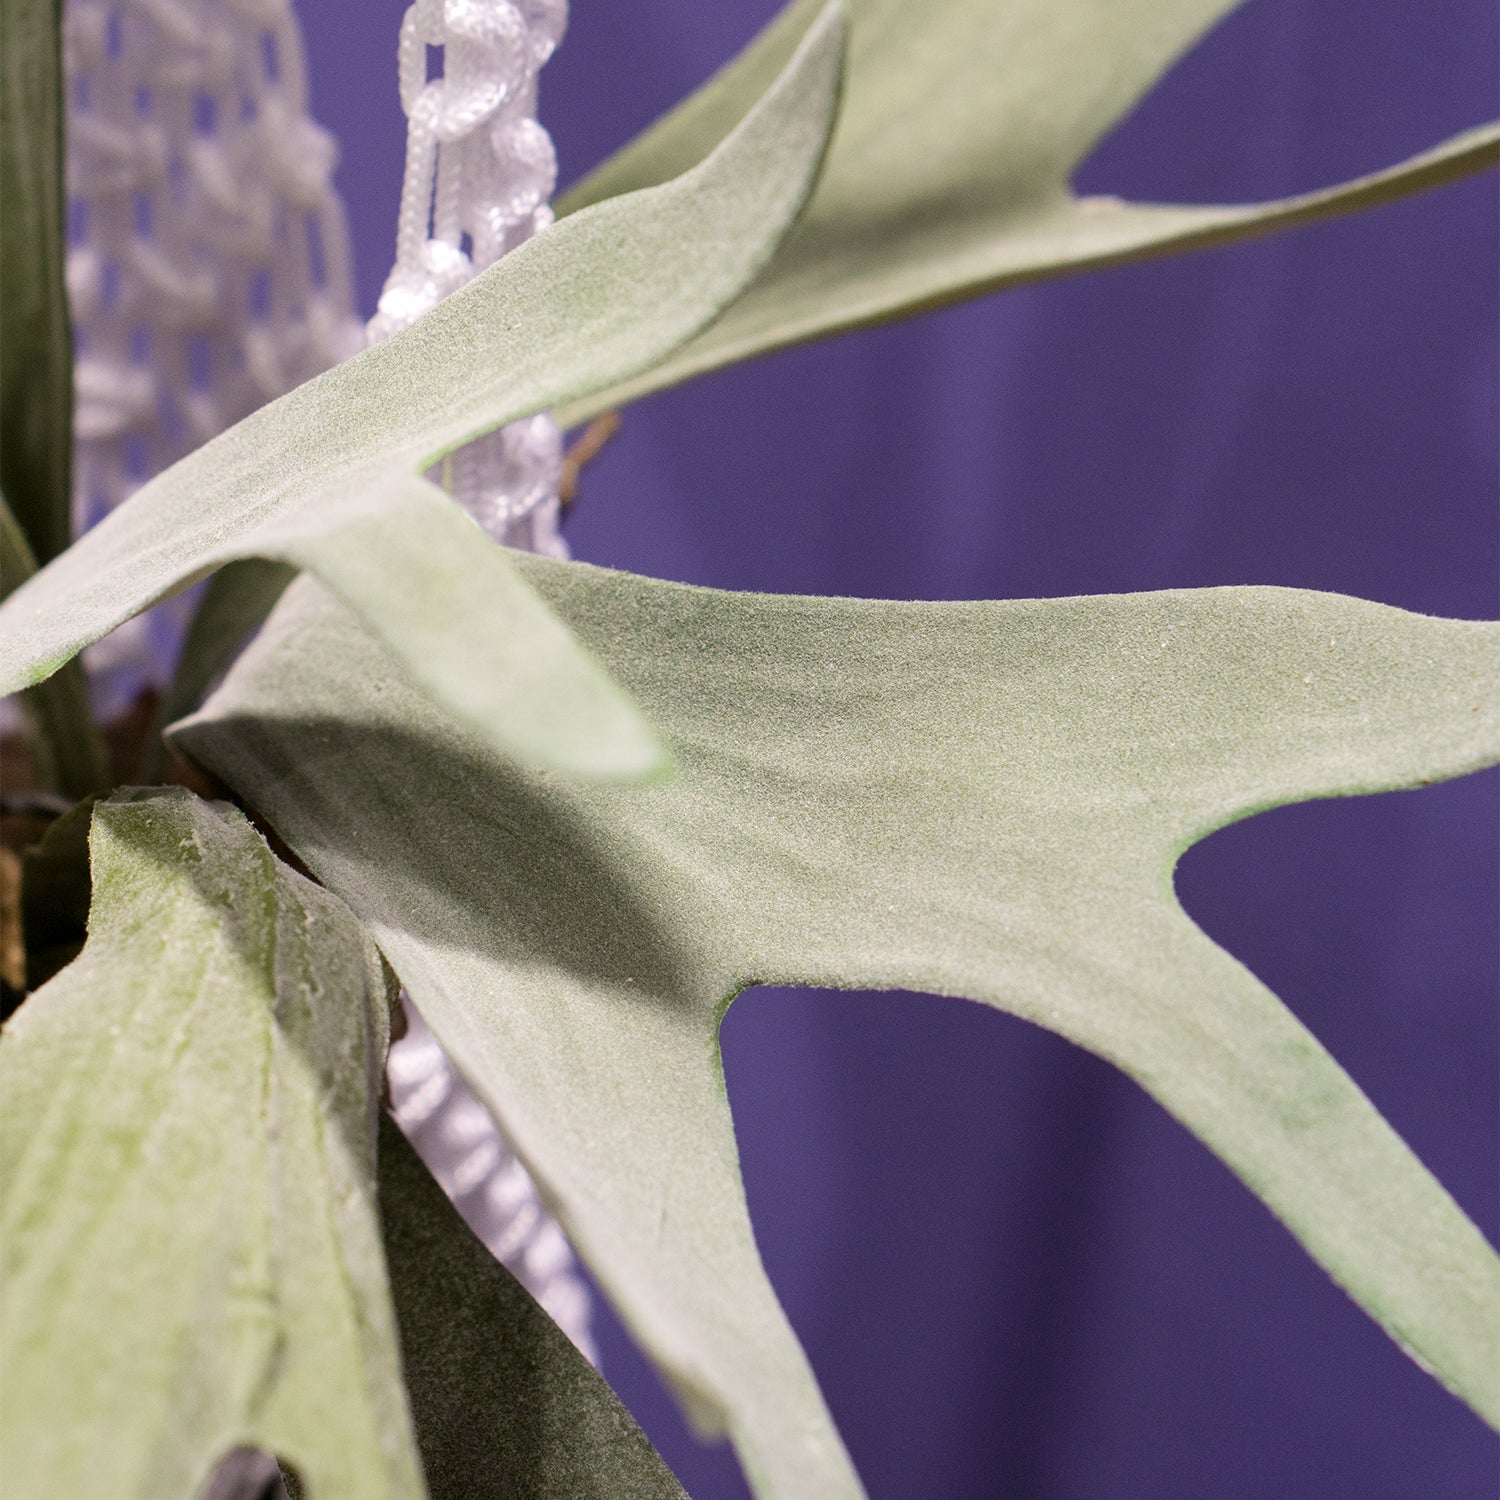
(36, 354)
(505, 1407)
(327, 478)
(190, 1239)
(984, 800)
(67, 753)
(949, 171)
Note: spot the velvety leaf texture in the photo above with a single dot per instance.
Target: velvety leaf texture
(505, 1407)
(327, 478)
(948, 173)
(984, 800)
(189, 1238)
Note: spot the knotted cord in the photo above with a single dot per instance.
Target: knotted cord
(208, 255)
(479, 172)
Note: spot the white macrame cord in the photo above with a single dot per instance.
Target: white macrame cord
(479, 172)
(208, 256)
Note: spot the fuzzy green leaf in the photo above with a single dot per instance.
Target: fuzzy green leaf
(36, 353)
(984, 800)
(505, 1407)
(326, 478)
(948, 175)
(189, 1235)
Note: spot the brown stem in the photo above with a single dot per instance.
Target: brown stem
(583, 452)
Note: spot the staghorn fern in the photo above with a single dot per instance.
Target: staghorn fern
(573, 940)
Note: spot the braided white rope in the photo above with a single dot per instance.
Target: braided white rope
(479, 172)
(208, 272)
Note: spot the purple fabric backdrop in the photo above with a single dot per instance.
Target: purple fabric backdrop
(1014, 1275)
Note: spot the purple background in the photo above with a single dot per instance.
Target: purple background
(1014, 1275)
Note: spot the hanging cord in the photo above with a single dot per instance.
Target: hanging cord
(208, 271)
(479, 172)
